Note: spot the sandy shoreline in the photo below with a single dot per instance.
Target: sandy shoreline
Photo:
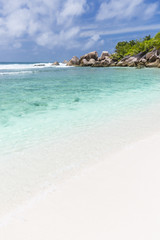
(115, 199)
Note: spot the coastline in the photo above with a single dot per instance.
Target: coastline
(101, 199)
(141, 60)
(117, 198)
(80, 120)
(135, 53)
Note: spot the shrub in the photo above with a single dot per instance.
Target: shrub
(134, 47)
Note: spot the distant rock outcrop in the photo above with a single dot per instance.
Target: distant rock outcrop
(92, 59)
(104, 55)
(39, 65)
(153, 64)
(73, 62)
(140, 60)
(131, 61)
(65, 61)
(88, 56)
(55, 64)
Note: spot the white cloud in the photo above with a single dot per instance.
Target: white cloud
(150, 10)
(51, 23)
(126, 9)
(92, 41)
(16, 23)
(120, 30)
(39, 20)
(63, 38)
(71, 8)
(94, 37)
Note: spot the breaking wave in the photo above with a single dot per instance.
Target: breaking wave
(21, 66)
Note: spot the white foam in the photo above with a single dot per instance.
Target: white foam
(63, 65)
(29, 66)
(15, 73)
(15, 66)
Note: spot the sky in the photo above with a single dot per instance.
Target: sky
(50, 30)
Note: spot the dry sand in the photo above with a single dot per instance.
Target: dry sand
(117, 199)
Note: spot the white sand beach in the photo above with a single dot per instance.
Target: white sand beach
(118, 198)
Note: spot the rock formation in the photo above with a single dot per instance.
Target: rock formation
(92, 59)
(88, 56)
(142, 59)
(55, 64)
(104, 55)
(65, 61)
(73, 62)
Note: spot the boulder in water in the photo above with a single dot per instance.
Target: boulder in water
(73, 62)
(84, 63)
(152, 56)
(39, 65)
(55, 64)
(88, 56)
(103, 56)
(153, 64)
(65, 61)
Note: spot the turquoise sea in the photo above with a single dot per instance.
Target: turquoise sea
(57, 120)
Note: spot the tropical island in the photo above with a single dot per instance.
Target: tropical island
(135, 53)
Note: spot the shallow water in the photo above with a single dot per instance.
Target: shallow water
(55, 119)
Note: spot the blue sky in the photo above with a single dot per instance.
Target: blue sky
(49, 30)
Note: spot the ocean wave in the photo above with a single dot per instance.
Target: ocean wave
(63, 65)
(15, 66)
(15, 73)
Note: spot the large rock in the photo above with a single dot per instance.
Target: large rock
(153, 64)
(55, 64)
(131, 61)
(113, 64)
(140, 65)
(73, 62)
(65, 61)
(125, 58)
(90, 55)
(97, 64)
(152, 56)
(91, 62)
(143, 60)
(120, 63)
(140, 55)
(106, 62)
(39, 65)
(84, 63)
(104, 54)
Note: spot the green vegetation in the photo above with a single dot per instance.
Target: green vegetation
(134, 47)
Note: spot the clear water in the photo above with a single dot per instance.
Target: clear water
(56, 119)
